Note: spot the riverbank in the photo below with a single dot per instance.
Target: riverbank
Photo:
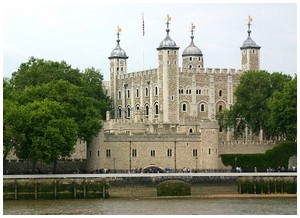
(85, 186)
(226, 196)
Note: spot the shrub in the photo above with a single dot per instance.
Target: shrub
(173, 188)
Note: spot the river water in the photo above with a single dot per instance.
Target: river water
(148, 206)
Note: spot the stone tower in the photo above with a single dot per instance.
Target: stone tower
(250, 52)
(118, 65)
(168, 78)
(192, 57)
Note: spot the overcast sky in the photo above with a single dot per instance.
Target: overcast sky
(83, 33)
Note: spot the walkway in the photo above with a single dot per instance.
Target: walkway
(119, 175)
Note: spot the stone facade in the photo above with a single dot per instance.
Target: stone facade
(165, 117)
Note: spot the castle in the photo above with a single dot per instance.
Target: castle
(165, 117)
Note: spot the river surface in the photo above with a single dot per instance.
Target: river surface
(123, 206)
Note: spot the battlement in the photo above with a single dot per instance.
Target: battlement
(212, 70)
(138, 74)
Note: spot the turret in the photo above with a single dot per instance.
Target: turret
(168, 73)
(118, 65)
(250, 52)
(192, 56)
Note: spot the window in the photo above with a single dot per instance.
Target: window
(108, 153)
(156, 109)
(119, 95)
(128, 94)
(202, 107)
(220, 93)
(128, 112)
(137, 94)
(220, 107)
(121, 68)
(191, 130)
(90, 153)
(199, 59)
(174, 52)
(137, 107)
(119, 112)
(195, 152)
(156, 90)
(117, 69)
(209, 151)
(191, 58)
(147, 110)
(220, 129)
(134, 152)
(98, 153)
(169, 152)
(190, 66)
(152, 153)
(146, 92)
(172, 98)
(183, 107)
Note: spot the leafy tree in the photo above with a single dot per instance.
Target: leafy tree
(51, 105)
(50, 134)
(38, 71)
(283, 111)
(251, 107)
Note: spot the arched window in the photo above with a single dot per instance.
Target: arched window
(220, 107)
(147, 110)
(128, 93)
(191, 58)
(119, 112)
(137, 107)
(190, 67)
(146, 92)
(156, 109)
(184, 107)
(202, 107)
(128, 112)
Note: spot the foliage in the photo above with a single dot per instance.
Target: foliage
(48, 106)
(278, 156)
(173, 188)
(283, 111)
(252, 107)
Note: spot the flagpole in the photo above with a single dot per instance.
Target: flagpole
(143, 40)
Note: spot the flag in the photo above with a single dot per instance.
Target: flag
(143, 25)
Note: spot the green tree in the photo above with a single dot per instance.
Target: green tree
(50, 134)
(283, 111)
(251, 107)
(51, 105)
(38, 71)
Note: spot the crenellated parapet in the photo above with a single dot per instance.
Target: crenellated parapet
(229, 71)
(138, 74)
